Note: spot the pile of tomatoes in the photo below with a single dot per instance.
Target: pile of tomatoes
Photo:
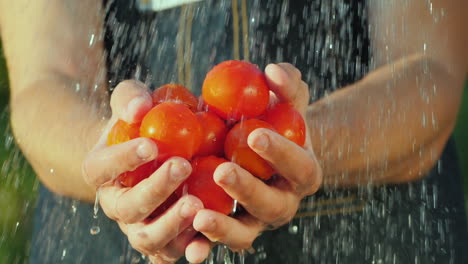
(208, 132)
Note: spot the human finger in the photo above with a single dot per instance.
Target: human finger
(137, 203)
(236, 233)
(255, 196)
(150, 237)
(285, 81)
(175, 249)
(105, 164)
(130, 100)
(198, 249)
(294, 163)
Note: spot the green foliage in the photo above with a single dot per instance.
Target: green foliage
(18, 186)
(461, 138)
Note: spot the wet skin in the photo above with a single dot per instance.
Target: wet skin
(187, 228)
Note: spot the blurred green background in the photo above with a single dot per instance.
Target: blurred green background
(18, 184)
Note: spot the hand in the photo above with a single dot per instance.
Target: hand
(164, 238)
(267, 205)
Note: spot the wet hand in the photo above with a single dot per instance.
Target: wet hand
(164, 238)
(267, 205)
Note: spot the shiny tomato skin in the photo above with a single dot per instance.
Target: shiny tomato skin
(238, 151)
(175, 129)
(214, 133)
(236, 89)
(132, 178)
(287, 121)
(175, 93)
(200, 183)
(122, 132)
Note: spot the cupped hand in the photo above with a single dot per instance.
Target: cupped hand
(165, 237)
(267, 205)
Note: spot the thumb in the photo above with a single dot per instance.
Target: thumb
(285, 81)
(130, 101)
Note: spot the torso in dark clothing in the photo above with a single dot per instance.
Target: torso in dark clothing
(420, 222)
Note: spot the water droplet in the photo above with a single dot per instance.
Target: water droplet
(293, 229)
(77, 87)
(95, 230)
(64, 253)
(91, 40)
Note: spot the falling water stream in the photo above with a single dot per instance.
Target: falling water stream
(329, 41)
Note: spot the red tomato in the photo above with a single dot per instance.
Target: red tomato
(233, 89)
(237, 150)
(175, 129)
(122, 132)
(287, 121)
(175, 93)
(132, 178)
(164, 206)
(201, 184)
(214, 132)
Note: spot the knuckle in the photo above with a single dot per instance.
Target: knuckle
(141, 241)
(127, 85)
(296, 72)
(153, 193)
(277, 215)
(120, 211)
(137, 240)
(312, 179)
(129, 161)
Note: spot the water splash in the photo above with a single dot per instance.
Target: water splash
(95, 229)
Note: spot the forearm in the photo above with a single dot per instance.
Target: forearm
(390, 127)
(58, 87)
(55, 128)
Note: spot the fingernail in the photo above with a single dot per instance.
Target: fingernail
(261, 142)
(132, 107)
(229, 177)
(187, 211)
(210, 224)
(144, 151)
(179, 171)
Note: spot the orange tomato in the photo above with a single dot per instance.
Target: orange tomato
(122, 132)
(213, 136)
(175, 129)
(175, 93)
(287, 121)
(200, 183)
(236, 89)
(237, 150)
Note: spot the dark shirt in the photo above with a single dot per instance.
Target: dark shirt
(419, 222)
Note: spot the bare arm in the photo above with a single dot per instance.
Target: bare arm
(57, 82)
(392, 125)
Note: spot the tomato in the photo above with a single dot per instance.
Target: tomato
(132, 178)
(164, 206)
(287, 121)
(175, 129)
(214, 133)
(200, 183)
(122, 132)
(236, 89)
(237, 150)
(175, 93)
